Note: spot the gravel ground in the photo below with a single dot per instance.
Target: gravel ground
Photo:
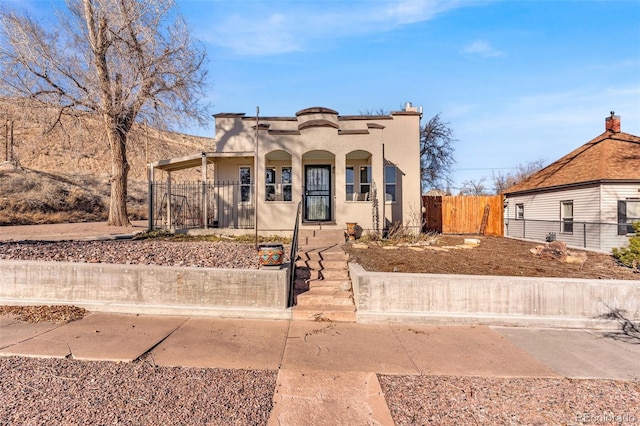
(145, 252)
(54, 391)
(44, 313)
(440, 400)
(70, 392)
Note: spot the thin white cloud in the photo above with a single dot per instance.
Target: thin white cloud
(483, 48)
(268, 28)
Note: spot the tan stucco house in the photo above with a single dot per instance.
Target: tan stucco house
(588, 198)
(338, 168)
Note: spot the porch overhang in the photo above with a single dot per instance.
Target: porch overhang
(196, 160)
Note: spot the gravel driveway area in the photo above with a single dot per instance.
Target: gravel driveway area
(70, 392)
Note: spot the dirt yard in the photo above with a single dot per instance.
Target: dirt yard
(494, 256)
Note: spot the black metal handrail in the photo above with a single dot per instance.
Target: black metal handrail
(293, 256)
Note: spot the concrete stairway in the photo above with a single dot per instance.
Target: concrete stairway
(323, 288)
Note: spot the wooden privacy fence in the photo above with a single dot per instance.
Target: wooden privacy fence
(464, 214)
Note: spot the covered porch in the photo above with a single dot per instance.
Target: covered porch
(205, 202)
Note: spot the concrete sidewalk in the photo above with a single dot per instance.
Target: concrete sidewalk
(328, 370)
(82, 231)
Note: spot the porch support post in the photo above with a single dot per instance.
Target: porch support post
(298, 178)
(169, 200)
(151, 194)
(377, 174)
(340, 195)
(383, 219)
(205, 202)
(255, 176)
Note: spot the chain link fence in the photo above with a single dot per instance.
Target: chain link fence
(588, 235)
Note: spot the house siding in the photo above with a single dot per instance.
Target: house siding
(542, 216)
(611, 193)
(595, 215)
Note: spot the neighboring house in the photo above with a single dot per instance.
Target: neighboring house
(588, 198)
(330, 163)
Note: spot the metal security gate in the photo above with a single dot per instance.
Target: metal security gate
(317, 193)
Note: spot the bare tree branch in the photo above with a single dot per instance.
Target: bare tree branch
(123, 60)
(436, 154)
(502, 182)
(473, 187)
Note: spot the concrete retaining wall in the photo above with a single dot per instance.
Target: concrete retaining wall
(523, 301)
(147, 289)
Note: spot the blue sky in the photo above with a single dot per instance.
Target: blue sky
(517, 81)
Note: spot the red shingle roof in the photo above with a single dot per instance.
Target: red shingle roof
(610, 156)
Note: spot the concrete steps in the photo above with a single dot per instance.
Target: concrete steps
(320, 237)
(324, 296)
(323, 287)
(324, 313)
(344, 285)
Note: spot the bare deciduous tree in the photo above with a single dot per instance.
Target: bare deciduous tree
(120, 60)
(436, 153)
(522, 171)
(473, 187)
(373, 113)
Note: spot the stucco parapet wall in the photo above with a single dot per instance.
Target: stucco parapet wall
(353, 132)
(416, 113)
(493, 300)
(229, 115)
(284, 132)
(316, 110)
(280, 118)
(364, 117)
(317, 123)
(250, 293)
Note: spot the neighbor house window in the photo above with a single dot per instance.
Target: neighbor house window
(566, 216)
(286, 180)
(365, 181)
(390, 183)
(628, 213)
(349, 186)
(519, 211)
(270, 184)
(245, 184)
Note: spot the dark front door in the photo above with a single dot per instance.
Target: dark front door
(317, 193)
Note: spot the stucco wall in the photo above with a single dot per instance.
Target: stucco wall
(392, 139)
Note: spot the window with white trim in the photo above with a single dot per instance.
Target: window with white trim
(349, 177)
(270, 184)
(286, 180)
(245, 184)
(365, 181)
(520, 211)
(390, 184)
(566, 216)
(628, 213)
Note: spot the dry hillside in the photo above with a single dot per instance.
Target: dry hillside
(63, 164)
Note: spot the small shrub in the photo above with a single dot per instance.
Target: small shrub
(399, 233)
(157, 234)
(162, 234)
(630, 256)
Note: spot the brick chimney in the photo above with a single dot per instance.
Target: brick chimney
(612, 123)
